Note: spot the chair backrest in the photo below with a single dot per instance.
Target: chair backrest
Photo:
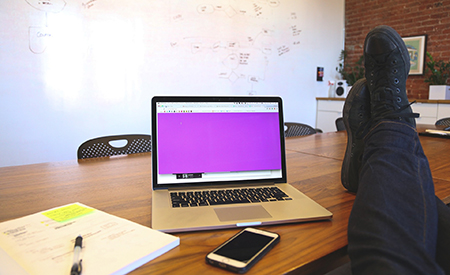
(102, 147)
(298, 129)
(443, 121)
(340, 126)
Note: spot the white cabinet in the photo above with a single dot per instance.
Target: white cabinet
(443, 111)
(327, 113)
(329, 109)
(431, 112)
(427, 111)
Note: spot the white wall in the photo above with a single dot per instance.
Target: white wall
(75, 70)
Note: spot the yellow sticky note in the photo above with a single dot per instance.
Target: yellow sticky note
(66, 213)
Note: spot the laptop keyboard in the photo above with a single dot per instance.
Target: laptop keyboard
(227, 196)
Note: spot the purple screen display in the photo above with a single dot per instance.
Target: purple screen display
(222, 142)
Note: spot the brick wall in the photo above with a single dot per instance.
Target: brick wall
(408, 18)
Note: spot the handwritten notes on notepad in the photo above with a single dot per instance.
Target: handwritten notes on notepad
(42, 243)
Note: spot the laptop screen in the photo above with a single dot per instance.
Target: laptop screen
(211, 140)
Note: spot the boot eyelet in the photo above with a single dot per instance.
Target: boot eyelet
(394, 61)
(398, 90)
(396, 81)
(399, 99)
(395, 71)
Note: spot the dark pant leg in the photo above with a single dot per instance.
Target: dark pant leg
(393, 224)
(443, 240)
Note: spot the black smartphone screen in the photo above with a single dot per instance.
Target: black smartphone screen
(244, 246)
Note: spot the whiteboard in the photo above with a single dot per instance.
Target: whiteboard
(74, 70)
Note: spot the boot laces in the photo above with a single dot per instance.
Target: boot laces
(382, 64)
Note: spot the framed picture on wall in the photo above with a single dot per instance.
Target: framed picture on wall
(416, 46)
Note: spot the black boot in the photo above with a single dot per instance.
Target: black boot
(356, 116)
(387, 64)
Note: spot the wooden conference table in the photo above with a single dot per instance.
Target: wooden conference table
(122, 186)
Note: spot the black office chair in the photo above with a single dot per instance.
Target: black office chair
(340, 126)
(299, 129)
(443, 121)
(102, 147)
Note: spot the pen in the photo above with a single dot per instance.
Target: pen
(76, 266)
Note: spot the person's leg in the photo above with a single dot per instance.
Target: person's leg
(393, 225)
(443, 239)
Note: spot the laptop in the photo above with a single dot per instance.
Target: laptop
(219, 162)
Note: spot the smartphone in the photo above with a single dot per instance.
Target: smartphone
(243, 250)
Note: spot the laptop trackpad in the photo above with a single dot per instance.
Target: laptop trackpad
(226, 214)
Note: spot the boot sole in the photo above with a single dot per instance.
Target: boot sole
(350, 174)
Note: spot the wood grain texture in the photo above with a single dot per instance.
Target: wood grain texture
(122, 186)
